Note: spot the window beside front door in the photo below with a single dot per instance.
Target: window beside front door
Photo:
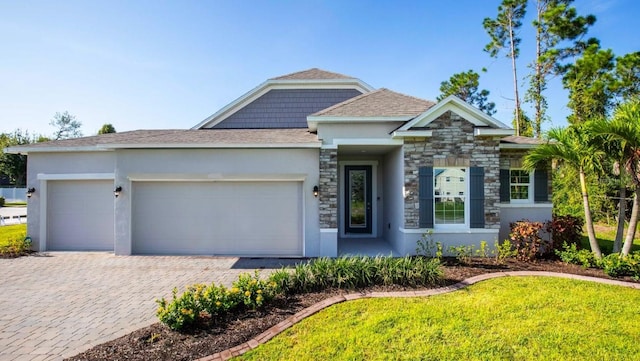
(357, 195)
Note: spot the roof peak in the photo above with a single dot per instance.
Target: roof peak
(312, 74)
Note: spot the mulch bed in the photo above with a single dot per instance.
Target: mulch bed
(158, 342)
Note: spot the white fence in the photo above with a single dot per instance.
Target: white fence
(14, 194)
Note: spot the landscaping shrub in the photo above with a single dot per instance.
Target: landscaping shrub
(200, 302)
(14, 244)
(504, 251)
(359, 272)
(462, 253)
(1, 201)
(617, 265)
(565, 229)
(526, 240)
(571, 254)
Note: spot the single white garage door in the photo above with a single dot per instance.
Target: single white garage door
(80, 215)
(217, 218)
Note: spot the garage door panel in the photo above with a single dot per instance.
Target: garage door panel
(80, 215)
(223, 218)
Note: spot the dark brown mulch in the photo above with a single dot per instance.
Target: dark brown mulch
(157, 342)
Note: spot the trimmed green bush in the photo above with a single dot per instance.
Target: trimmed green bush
(200, 302)
(571, 254)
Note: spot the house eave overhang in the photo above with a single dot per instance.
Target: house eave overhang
(313, 145)
(27, 150)
(399, 134)
(314, 120)
(517, 146)
(482, 131)
(271, 84)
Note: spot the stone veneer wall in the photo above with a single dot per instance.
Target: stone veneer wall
(328, 186)
(452, 144)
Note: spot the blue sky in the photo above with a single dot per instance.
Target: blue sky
(170, 64)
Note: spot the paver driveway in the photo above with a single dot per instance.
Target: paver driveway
(58, 304)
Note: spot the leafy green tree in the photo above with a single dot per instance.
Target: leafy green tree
(556, 22)
(465, 86)
(627, 74)
(624, 127)
(503, 33)
(106, 129)
(66, 126)
(15, 165)
(572, 147)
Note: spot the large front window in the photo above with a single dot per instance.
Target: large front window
(450, 195)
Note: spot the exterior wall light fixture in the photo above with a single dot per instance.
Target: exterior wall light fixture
(117, 191)
(30, 192)
(316, 191)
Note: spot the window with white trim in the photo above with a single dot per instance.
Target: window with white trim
(520, 186)
(449, 196)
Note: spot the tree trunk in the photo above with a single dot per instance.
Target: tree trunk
(515, 75)
(593, 242)
(633, 222)
(622, 217)
(538, 75)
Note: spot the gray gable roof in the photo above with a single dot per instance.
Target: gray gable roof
(380, 103)
(312, 74)
(285, 108)
(180, 138)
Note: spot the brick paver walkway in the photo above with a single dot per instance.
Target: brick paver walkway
(58, 304)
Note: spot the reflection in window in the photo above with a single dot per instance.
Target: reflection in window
(449, 209)
(520, 184)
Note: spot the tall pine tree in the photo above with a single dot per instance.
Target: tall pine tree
(503, 32)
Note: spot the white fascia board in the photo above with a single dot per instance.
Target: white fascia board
(268, 85)
(215, 146)
(412, 134)
(492, 131)
(314, 120)
(457, 105)
(27, 150)
(216, 177)
(365, 141)
(517, 146)
(75, 176)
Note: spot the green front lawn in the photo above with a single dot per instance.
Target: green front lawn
(606, 234)
(512, 318)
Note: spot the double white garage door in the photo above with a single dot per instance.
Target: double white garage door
(212, 218)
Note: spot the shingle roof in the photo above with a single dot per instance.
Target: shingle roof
(380, 103)
(208, 138)
(522, 140)
(312, 74)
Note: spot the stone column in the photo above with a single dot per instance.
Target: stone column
(328, 185)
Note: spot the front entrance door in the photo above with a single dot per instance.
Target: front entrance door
(357, 198)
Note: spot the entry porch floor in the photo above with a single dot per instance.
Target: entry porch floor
(365, 247)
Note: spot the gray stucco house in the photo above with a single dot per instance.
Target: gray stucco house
(306, 164)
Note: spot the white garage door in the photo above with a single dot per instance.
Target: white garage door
(217, 218)
(80, 215)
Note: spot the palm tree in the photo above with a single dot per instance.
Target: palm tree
(572, 147)
(624, 127)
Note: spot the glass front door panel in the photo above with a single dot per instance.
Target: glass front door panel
(357, 201)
